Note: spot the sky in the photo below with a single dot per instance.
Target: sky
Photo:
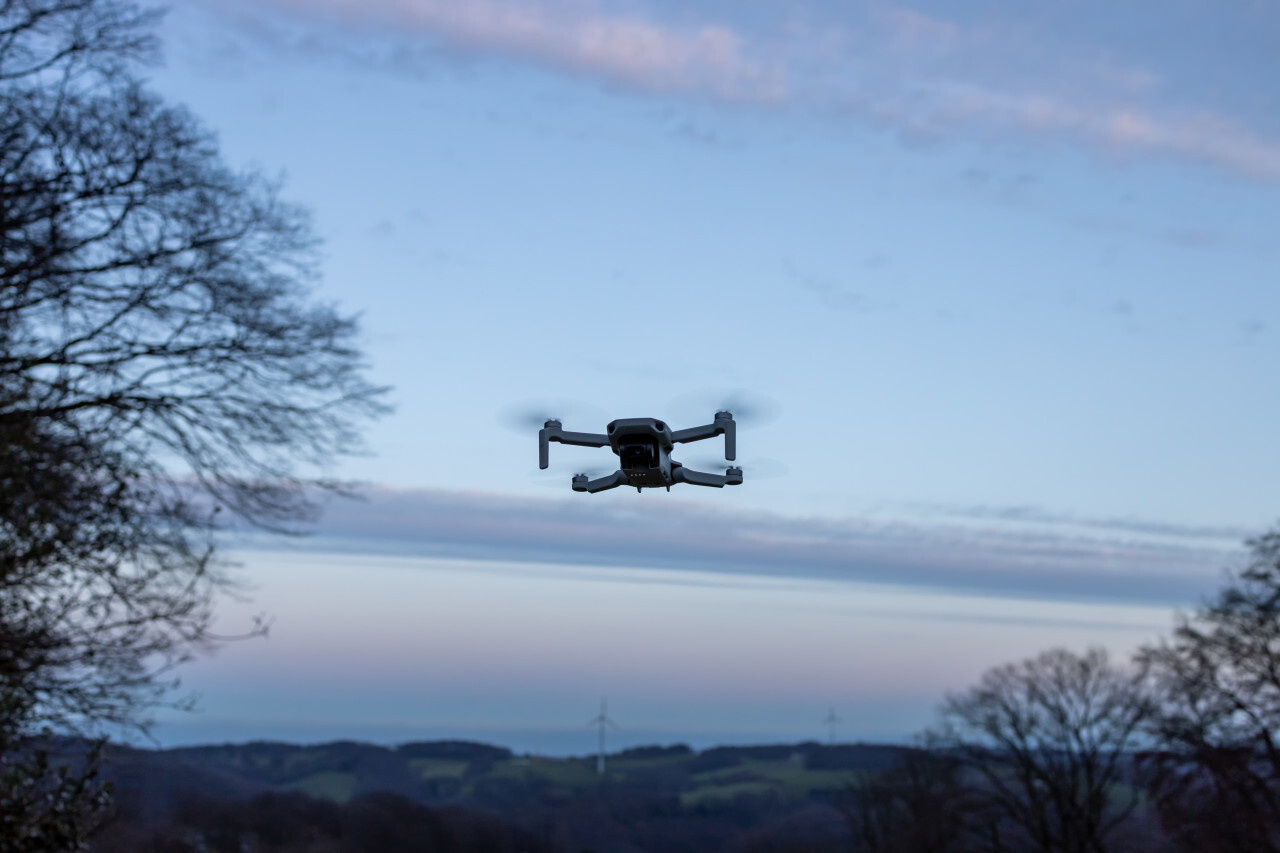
(1003, 275)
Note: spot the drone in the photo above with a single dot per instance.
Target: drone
(643, 446)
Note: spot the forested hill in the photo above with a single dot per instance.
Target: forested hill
(649, 798)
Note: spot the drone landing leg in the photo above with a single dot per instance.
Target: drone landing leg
(701, 478)
(582, 484)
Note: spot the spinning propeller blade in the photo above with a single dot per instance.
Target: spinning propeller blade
(559, 476)
(754, 469)
(749, 408)
(531, 416)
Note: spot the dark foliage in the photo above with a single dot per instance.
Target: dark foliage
(643, 803)
(720, 758)
(51, 798)
(1217, 681)
(296, 823)
(920, 805)
(455, 750)
(679, 750)
(854, 756)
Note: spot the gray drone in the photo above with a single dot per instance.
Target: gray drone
(643, 446)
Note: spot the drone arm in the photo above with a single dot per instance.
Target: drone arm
(722, 425)
(612, 481)
(701, 478)
(583, 439)
(684, 436)
(548, 434)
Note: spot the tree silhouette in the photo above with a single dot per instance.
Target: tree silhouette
(1218, 685)
(162, 359)
(1049, 743)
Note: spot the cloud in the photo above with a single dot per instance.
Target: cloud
(1191, 237)
(628, 50)
(831, 293)
(1019, 554)
(932, 77)
(924, 76)
(1253, 328)
(1118, 127)
(1031, 515)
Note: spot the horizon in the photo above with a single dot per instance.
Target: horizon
(536, 742)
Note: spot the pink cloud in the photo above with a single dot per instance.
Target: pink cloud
(898, 67)
(1114, 126)
(703, 58)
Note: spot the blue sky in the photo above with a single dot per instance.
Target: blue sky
(1006, 273)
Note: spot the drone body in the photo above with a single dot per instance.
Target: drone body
(643, 447)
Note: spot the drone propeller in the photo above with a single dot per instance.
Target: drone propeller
(755, 469)
(531, 416)
(749, 409)
(558, 476)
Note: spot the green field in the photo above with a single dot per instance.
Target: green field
(788, 778)
(438, 768)
(570, 773)
(328, 785)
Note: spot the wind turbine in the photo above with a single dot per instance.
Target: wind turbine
(603, 721)
(831, 719)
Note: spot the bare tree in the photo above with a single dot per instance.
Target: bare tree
(1049, 746)
(1218, 722)
(162, 358)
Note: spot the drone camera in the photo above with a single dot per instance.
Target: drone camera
(638, 454)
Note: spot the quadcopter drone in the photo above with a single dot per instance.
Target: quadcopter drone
(643, 446)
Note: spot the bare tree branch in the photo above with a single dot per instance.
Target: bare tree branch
(1051, 741)
(162, 358)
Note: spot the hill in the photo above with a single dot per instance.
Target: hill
(649, 798)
